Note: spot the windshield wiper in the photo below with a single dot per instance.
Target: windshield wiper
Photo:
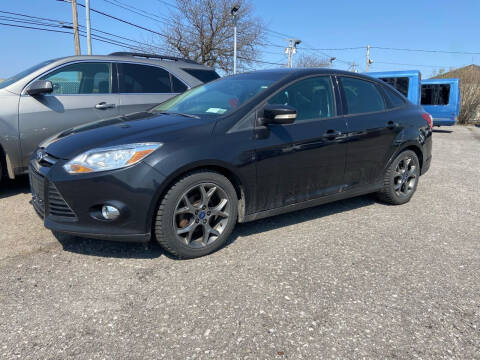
(180, 114)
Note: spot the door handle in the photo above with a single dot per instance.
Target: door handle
(103, 106)
(392, 125)
(332, 134)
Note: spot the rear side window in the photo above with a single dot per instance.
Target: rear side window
(136, 78)
(395, 99)
(399, 83)
(81, 78)
(178, 86)
(204, 76)
(435, 94)
(361, 96)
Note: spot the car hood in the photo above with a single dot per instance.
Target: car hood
(127, 129)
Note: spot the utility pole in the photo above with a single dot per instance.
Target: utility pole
(234, 15)
(75, 27)
(89, 34)
(369, 61)
(353, 67)
(291, 49)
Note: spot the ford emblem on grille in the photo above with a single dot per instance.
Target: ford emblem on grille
(40, 155)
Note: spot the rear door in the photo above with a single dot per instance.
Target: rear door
(82, 93)
(371, 129)
(441, 99)
(143, 86)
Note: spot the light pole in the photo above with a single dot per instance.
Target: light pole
(234, 15)
(369, 61)
(89, 34)
(292, 49)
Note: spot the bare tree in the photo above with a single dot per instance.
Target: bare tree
(311, 61)
(202, 30)
(469, 78)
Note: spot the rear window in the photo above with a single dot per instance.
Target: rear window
(435, 94)
(399, 83)
(204, 76)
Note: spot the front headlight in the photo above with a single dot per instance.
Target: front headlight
(110, 158)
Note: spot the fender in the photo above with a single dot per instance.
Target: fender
(8, 162)
(214, 164)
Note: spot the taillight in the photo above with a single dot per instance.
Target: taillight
(428, 118)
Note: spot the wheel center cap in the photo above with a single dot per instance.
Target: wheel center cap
(201, 214)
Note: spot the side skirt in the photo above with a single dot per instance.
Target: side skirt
(311, 203)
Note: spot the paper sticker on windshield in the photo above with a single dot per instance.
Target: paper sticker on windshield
(216, 110)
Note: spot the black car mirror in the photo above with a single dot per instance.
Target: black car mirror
(40, 87)
(278, 114)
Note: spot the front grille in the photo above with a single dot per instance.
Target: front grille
(37, 186)
(57, 205)
(46, 199)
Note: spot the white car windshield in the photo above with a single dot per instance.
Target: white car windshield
(24, 73)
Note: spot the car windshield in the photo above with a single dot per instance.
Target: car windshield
(219, 97)
(24, 73)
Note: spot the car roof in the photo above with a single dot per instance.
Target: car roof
(292, 73)
(173, 65)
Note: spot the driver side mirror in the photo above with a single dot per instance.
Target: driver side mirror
(278, 114)
(39, 87)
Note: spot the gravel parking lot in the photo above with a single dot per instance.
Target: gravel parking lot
(352, 279)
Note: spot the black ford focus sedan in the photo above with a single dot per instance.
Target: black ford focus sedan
(234, 150)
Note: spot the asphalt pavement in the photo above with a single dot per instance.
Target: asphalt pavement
(349, 280)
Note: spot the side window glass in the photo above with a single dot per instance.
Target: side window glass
(435, 94)
(361, 96)
(136, 78)
(313, 98)
(178, 86)
(399, 83)
(81, 78)
(395, 99)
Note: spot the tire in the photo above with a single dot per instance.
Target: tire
(401, 179)
(2, 168)
(192, 222)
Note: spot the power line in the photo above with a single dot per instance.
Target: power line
(337, 49)
(260, 61)
(35, 17)
(393, 63)
(69, 26)
(427, 51)
(123, 21)
(37, 28)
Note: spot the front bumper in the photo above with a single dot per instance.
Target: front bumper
(72, 203)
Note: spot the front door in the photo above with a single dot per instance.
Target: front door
(82, 93)
(304, 160)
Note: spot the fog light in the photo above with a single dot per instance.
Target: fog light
(110, 212)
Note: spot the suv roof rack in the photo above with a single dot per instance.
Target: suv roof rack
(153, 56)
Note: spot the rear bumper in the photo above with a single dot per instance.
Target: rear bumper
(426, 164)
(443, 122)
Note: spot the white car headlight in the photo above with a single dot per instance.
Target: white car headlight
(110, 158)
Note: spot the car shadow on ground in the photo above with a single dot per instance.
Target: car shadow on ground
(14, 187)
(442, 131)
(151, 250)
